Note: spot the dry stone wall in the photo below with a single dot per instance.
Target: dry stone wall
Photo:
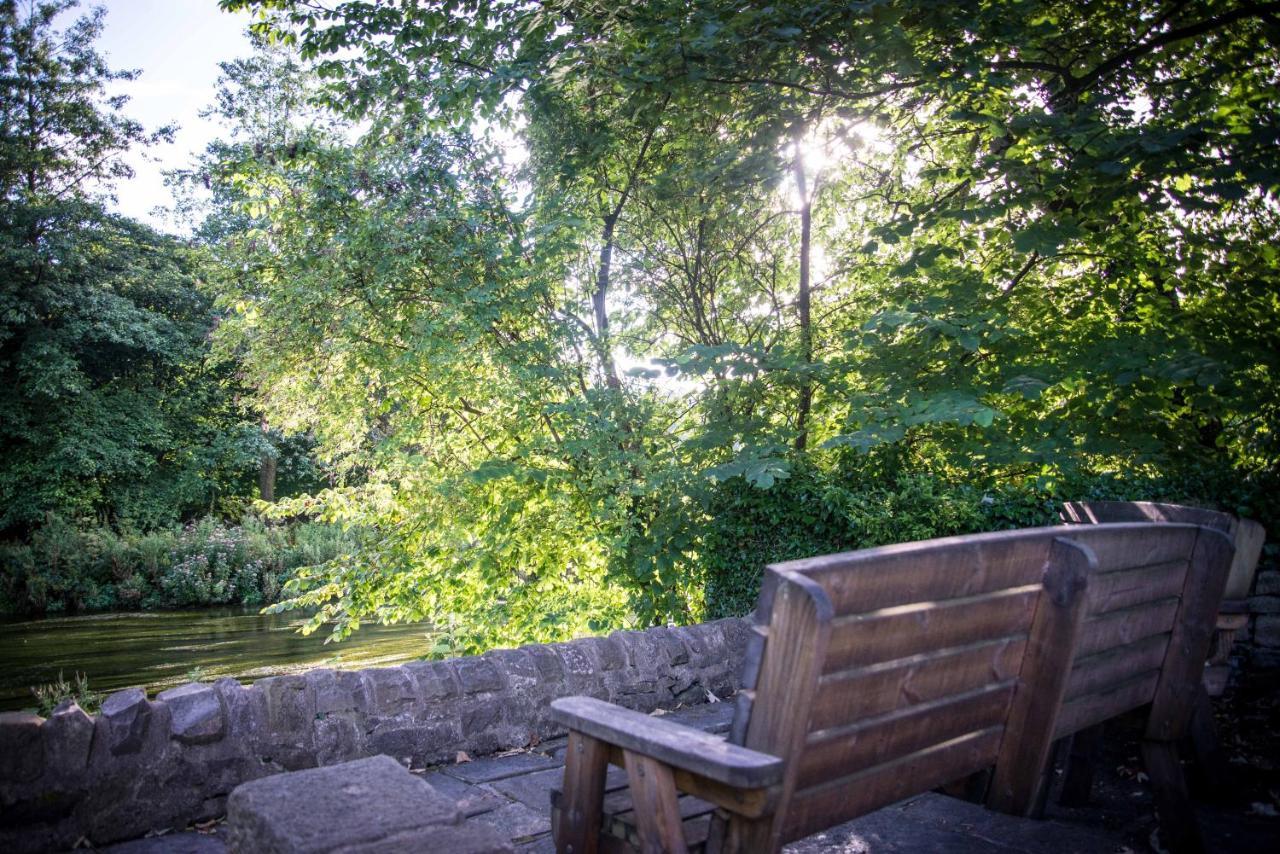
(144, 764)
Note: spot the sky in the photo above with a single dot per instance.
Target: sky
(177, 44)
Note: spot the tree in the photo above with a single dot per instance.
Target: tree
(1019, 264)
(107, 408)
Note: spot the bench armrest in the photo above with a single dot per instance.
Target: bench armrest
(672, 744)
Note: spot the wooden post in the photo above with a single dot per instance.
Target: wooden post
(1042, 681)
(1082, 760)
(655, 802)
(585, 764)
(1176, 692)
(800, 617)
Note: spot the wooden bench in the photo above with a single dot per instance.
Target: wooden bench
(1248, 537)
(879, 674)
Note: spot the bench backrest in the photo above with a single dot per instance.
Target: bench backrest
(886, 672)
(1247, 535)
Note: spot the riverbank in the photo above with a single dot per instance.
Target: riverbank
(160, 649)
(66, 568)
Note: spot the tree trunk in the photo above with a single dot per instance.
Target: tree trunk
(267, 477)
(598, 300)
(802, 301)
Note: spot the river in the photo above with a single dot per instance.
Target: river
(158, 649)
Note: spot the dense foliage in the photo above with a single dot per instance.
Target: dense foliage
(601, 302)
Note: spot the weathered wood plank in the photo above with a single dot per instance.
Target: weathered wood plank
(1126, 545)
(864, 692)
(901, 631)
(1248, 537)
(799, 629)
(1090, 709)
(839, 800)
(1082, 760)
(656, 807)
(1179, 830)
(1189, 646)
(873, 741)
(1117, 665)
(679, 746)
(1129, 625)
(1029, 730)
(1114, 591)
(1104, 512)
(947, 568)
(578, 822)
(751, 803)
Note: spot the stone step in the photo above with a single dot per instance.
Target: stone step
(369, 806)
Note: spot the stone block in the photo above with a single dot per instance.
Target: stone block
(68, 735)
(1266, 632)
(195, 713)
(550, 667)
(286, 733)
(579, 658)
(704, 643)
(371, 804)
(417, 744)
(435, 680)
(477, 674)
(671, 644)
(609, 653)
(21, 747)
(519, 668)
(125, 717)
(1268, 584)
(338, 691)
(290, 703)
(1264, 604)
(391, 690)
(338, 739)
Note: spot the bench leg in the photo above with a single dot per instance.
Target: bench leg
(1082, 762)
(654, 799)
(1179, 830)
(585, 764)
(1207, 749)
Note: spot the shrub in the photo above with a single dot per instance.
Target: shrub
(50, 696)
(206, 562)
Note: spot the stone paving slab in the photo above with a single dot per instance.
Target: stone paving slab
(470, 798)
(532, 790)
(517, 822)
(497, 767)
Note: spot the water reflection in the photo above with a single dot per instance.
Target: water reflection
(157, 649)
